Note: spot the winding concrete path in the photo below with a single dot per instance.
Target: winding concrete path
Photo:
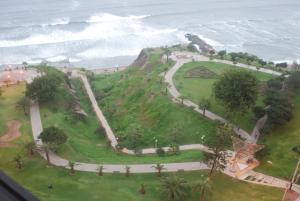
(185, 57)
(56, 160)
(37, 128)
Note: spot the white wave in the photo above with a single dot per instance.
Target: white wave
(57, 58)
(107, 17)
(61, 21)
(211, 41)
(103, 29)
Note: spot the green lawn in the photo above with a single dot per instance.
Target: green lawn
(136, 98)
(199, 88)
(36, 175)
(279, 144)
(8, 111)
(86, 146)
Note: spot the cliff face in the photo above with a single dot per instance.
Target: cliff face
(141, 59)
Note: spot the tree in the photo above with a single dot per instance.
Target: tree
(100, 170)
(222, 53)
(293, 81)
(167, 86)
(219, 144)
(30, 147)
(71, 166)
(181, 98)
(168, 53)
(159, 167)
(204, 104)
(43, 88)
(259, 112)
(127, 170)
(281, 108)
(133, 137)
(175, 188)
(23, 104)
(204, 187)
(237, 90)
(19, 161)
(53, 136)
(143, 189)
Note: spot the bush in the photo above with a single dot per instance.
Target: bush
(296, 149)
(100, 131)
(160, 152)
(259, 112)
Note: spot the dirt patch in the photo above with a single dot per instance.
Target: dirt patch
(200, 72)
(12, 133)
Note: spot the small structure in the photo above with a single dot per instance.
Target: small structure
(243, 158)
(14, 76)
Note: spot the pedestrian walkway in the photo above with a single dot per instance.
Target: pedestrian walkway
(56, 160)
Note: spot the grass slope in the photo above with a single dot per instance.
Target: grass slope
(279, 144)
(199, 88)
(84, 144)
(8, 111)
(36, 175)
(137, 97)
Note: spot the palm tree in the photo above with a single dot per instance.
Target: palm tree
(204, 104)
(127, 169)
(167, 85)
(30, 147)
(204, 187)
(181, 98)
(19, 162)
(168, 53)
(159, 168)
(175, 189)
(257, 68)
(45, 148)
(100, 170)
(143, 189)
(71, 166)
(23, 103)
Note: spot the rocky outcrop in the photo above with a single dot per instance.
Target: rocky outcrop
(201, 44)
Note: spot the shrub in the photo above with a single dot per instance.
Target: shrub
(259, 112)
(160, 152)
(100, 131)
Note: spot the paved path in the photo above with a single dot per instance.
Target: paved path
(111, 136)
(252, 177)
(56, 160)
(109, 133)
(181, 59)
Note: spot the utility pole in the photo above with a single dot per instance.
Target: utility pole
(292, 181)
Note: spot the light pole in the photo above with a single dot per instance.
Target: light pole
(155, 142)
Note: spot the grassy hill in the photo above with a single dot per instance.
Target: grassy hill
(135, 101)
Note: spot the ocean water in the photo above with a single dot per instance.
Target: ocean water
(105, 33)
